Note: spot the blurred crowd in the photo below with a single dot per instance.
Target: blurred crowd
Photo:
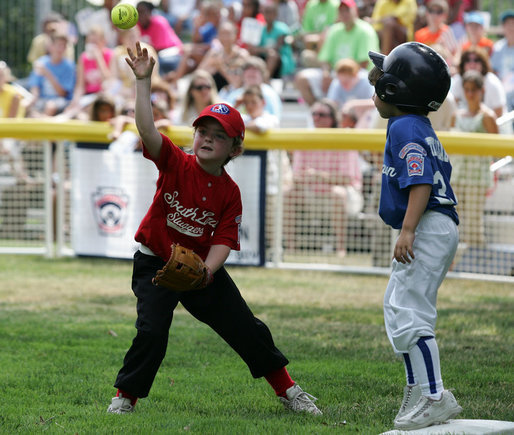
(213, 50)
(260, 54)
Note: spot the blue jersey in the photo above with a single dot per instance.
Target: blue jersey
(414, 155)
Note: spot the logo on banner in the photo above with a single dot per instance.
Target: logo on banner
(110, 210)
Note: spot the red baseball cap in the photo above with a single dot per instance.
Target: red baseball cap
(227, 116)
(349, 3)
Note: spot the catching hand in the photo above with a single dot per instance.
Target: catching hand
(141, 62)
(184, 271)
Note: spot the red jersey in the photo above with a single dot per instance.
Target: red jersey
(190, 207)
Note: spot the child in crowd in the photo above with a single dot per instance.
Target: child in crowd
(199, 206)
(351, 83)
(474, 23)
(103, 109)
(259, 121)
(52, 79)
(275, 45)
(471, 176)
(93, 73)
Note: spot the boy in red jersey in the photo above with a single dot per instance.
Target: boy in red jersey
(197, 205)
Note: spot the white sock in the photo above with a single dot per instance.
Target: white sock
(424, 358)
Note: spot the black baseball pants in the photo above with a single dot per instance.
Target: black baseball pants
(220, 305)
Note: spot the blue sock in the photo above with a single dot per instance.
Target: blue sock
(424, 358)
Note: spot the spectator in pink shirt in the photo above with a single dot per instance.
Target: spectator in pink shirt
(330, 181)
(93, 72)
(156, 31)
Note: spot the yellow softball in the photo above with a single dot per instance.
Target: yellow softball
(124, 16)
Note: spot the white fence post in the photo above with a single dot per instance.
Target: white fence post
(48, 193)
(60, 180)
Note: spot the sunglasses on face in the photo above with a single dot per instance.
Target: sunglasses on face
(320, 114)
(200, 87)
(235, 71)
(473, 59)
(436, 11)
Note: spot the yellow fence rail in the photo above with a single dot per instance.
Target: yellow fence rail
(286, 138)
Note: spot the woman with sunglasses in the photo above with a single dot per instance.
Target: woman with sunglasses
(475, 58)
(200, 93)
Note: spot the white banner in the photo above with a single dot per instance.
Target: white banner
(248, 171)
(111, 192)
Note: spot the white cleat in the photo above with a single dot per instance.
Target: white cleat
(120, 405)
(411, 395)
(428, 412)
(300, 401)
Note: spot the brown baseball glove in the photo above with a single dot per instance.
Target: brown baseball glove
(184, 271)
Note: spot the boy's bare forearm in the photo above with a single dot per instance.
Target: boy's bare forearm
(217, 256)
(418, 200)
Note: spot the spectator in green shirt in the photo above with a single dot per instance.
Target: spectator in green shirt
(349, 38)
(317, 16)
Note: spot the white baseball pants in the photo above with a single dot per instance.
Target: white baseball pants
(411, 294)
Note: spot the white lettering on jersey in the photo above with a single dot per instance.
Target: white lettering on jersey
(436, 148)
(174, 220)
(184, 219)
(388, 171)
(441, 192)
(411, 147)
(206, 219)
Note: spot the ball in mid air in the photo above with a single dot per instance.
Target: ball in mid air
(124, 16)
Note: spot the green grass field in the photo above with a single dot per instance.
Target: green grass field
(66, 324)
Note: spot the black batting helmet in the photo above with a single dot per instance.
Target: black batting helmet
(414, 76)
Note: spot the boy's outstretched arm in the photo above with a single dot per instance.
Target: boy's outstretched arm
(142, 65)
(418, 200)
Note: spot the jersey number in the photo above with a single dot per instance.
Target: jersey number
(438, 179)
(441, 193)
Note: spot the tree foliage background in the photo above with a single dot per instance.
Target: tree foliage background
(20, 21)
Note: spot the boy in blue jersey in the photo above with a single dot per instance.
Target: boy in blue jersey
(417, 199)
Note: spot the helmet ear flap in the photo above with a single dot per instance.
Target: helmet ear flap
(391, 89)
